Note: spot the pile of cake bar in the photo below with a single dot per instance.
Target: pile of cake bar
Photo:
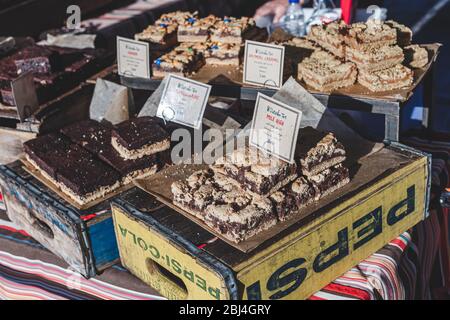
(88, 160)
(248, 191)
(377, 55)
(195, 41)
(54, 69)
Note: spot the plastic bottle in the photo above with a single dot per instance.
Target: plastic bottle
(294, 19)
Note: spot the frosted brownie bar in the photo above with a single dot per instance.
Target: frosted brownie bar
(254, 171)
(330, 37)
(223, 206)
(73, 169)
(196, 30)
(393, 78)
(96, 138)
(323, 72)
(318, 151)
(139, 137)
(374, 59)
(232, 30)
(415, 56)
(223, 54)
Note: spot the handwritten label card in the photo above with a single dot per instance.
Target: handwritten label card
(183, 101)
(133, 58)
(263, 64)
(275, 128)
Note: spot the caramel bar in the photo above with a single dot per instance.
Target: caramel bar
(393, 78)
(223, 206)
(373, 59)
(370, 34)
(255, 172)
(325, 73)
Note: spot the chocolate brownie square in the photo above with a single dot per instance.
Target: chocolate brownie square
(139, 137)
(96, 138)
(36, 59)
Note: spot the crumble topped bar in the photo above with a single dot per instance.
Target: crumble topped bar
(416, 57)
(231, 30)
(196, 30)
(223, 206)
(370, 34)
(330, 36)
(181, 61)
(404, 34)
(393, 78)
(223, 54)
(254, 171)
(323, 72)
(374, 59)
(139, 137)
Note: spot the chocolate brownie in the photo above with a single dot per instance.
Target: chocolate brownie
(317, 151)
(223, 206)
(36, 59)
(255, 172)
(73, 169)
(96, 138)
(139, 137)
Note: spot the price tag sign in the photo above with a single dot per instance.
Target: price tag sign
(263, 64)
(133, 58)
(275, 127)
(183, 101)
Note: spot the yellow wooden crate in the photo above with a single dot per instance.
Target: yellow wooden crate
(174, 255)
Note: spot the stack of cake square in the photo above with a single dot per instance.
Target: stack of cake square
(247, 191)
(371, 53)
(209, 40)
(88, 160)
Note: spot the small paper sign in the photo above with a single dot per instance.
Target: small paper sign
(263, 64)
(133, 58)
(183, 101)
(24, 92)
(275, 127)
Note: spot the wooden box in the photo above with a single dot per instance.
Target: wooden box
(83, 238)
(183, 261)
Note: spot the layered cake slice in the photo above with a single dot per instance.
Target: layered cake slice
(223, 54)
(196, 30)
(404, 34)
(364, 35)
(255, 172)
(96, 138)
(223, 206)
(318, 151)
(70, 167)
(179, 61)
(139, 137)
(323, 72)
(330, 36)
(373, 59)
(393, 78)
(232, 30)
(416, 57)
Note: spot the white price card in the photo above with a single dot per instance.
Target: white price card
(183, 101)
(133, 58)
(263, 64)
(275, 127)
